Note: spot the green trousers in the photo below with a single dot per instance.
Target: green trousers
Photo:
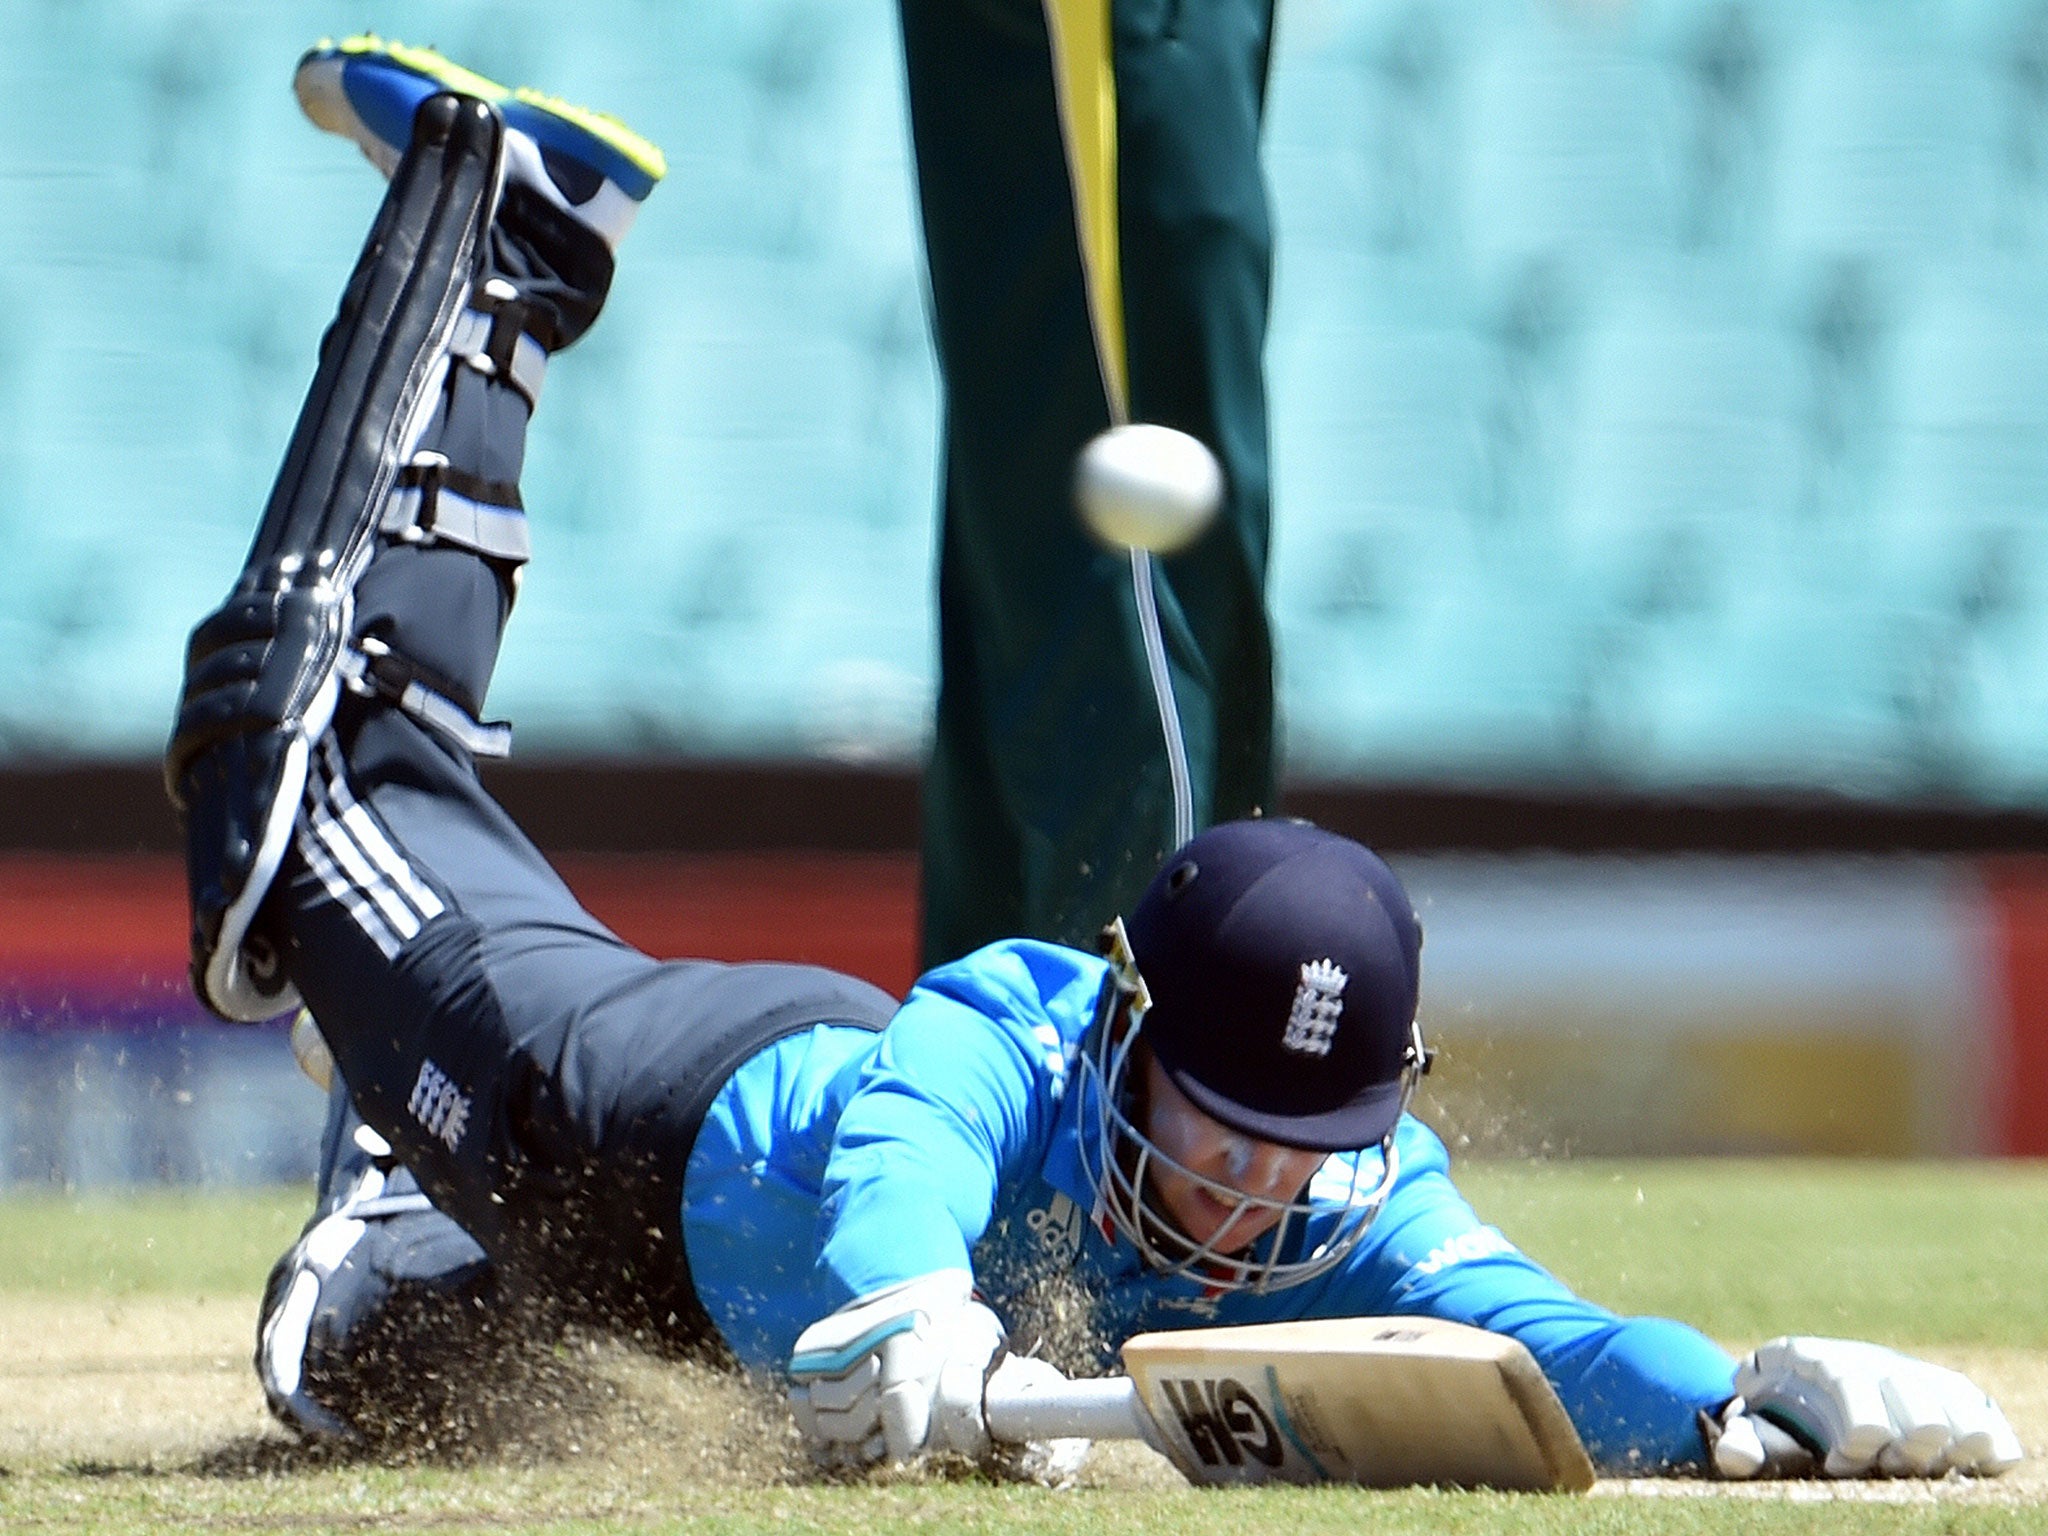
(1099, 246)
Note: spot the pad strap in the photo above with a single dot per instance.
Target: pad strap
(437, 502)
(374, 670)
(491, 337)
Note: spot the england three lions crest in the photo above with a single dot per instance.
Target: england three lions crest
(1318, 1004)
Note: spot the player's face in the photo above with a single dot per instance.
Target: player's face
(1264, 1169)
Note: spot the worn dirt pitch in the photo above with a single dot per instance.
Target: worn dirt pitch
(127, 1403)
(152, 1384)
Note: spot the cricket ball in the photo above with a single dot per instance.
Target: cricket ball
(1147, 487)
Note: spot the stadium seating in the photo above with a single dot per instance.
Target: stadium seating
(1658, 388)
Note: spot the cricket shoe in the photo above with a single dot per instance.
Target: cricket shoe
(367, 1317)
(585, 163)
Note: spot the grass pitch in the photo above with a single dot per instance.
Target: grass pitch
(127, 1402)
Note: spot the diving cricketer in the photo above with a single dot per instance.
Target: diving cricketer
(1206, 1122)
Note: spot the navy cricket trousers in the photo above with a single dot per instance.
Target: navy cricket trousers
(542, 1079)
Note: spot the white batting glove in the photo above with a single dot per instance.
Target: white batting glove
(1861, 1409)
(896, 1373)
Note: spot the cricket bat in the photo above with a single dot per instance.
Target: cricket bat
(1381, 1401)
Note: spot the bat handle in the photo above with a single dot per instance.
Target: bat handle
(1024, 1404)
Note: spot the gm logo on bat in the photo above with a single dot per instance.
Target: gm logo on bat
(1224, 1422)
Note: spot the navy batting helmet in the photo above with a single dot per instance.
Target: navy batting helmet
(1271, 972)
(1283, 963)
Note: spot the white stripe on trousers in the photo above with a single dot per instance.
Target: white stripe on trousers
(1177, 771)
(360, 867)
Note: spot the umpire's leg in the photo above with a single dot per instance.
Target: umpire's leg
(1050, 800)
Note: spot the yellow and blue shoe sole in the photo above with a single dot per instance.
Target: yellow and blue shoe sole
(385, 81)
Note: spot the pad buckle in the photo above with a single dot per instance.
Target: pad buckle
(373, 670)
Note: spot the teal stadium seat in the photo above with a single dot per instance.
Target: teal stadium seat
(1687, 423)
(1964, 531)
(1886, 132)
(1379, 386)
(1569, 128)
(1969, 430)
(1785, 686)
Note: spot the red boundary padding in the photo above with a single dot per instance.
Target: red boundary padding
(123, 916)
(2019, 905)
(854, 912)
(91, 915)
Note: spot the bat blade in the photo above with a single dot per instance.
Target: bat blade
(1383, 1402)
